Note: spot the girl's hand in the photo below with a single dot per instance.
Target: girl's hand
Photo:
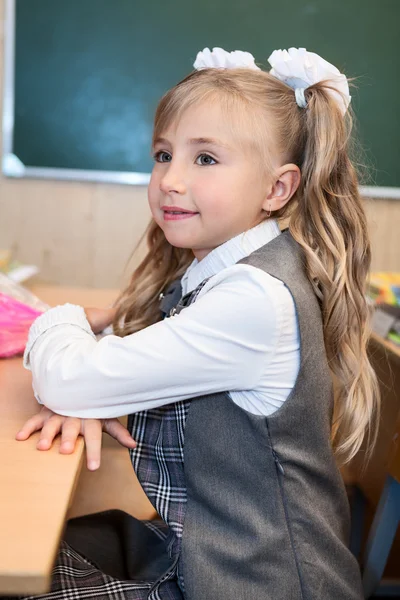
(100, 318)
(51, 424)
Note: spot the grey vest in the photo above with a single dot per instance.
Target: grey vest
(265, 514)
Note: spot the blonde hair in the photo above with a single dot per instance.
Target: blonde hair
(327, 219)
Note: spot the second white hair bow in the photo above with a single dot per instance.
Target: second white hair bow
(300, 69)
(296, 67)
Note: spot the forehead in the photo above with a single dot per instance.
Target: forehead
(205, 120)
(223, 118)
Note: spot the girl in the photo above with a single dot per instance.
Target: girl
(230, 396)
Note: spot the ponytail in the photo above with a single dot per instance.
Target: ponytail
(329, 223)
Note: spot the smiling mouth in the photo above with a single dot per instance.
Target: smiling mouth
(178, 212)
(177, 215)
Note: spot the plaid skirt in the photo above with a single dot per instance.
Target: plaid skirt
(112, 555)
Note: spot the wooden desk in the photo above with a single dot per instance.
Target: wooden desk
(394, 463)
(385, 358)
(37, 488)
(381, 479)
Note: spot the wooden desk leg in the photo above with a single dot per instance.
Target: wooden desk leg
(381, 536)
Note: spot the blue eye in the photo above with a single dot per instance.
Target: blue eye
(162, 156)
(206, 160)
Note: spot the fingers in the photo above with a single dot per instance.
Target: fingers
(50, 429)
(69, 434)
(114, 428)
(51, 424)
(33, 424)
(92, 432)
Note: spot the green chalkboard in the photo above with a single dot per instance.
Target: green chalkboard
(89, 73)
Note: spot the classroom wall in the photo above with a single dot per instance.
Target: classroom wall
(82, 234)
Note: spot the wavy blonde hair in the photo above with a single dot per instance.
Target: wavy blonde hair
(326, 217)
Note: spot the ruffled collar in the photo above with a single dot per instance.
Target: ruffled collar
(229, 253)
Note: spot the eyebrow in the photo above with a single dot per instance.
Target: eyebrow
(201, 141)
(209, 141)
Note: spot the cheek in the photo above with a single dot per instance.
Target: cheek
(153, 195)
(212, 196)
(221, 201)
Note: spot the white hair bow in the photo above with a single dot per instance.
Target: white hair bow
(221, 59)
(300, 69)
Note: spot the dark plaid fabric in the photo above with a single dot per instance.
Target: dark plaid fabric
(74, 576)
(158, 462)
(158, 458)
(77, 577)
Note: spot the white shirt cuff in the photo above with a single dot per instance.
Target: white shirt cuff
(67, 314)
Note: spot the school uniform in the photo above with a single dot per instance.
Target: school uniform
(258, 352)
(254, 505)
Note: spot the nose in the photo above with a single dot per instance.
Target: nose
(173, 180)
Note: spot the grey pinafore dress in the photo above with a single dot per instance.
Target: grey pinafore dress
(251, 506)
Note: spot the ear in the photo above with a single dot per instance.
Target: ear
(286, 181)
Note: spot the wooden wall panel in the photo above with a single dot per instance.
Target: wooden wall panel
(384, 226)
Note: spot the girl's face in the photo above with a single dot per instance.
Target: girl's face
(205, 188)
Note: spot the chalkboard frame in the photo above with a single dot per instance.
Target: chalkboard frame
(14, 168)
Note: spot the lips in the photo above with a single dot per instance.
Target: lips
(177, 210)
(178, 216)
(176, 213)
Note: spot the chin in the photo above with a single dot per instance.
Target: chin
(177, 241)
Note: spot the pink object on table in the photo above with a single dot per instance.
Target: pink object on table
(15, 321)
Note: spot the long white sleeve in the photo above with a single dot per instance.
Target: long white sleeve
(222, 342)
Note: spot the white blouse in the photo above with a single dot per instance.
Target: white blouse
(240, 336)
